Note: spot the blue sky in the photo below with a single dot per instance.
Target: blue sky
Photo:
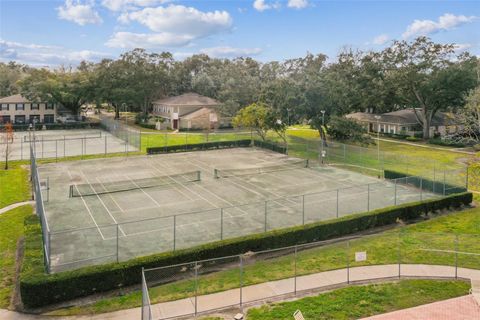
(66, 31)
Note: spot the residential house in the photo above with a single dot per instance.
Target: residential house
(19, 110)
(188, 111)
(405, 122)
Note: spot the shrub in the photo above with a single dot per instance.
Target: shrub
(447, 143)
(476, 147)
(39, 289)
(412, 139)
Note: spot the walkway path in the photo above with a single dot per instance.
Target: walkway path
(461, 308)
(253, 294)
(15, 205)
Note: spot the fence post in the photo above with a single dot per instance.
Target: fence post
(117, 242)
(265, 228)
(434, 178)
(295, 273)
(466, 177)
(303, 209)
(241, 281)
(64, 153)
(337, 201)
(421, 188)
(174, 231)
(221, 223)
(105, 145)
(368, 197)
(348, 261)
(444, 182)
(48, 189)
(196, 287)
(395, 196)
(456, 256)
(56, 150)
(42, 148)
(399, 253)
(21, 149)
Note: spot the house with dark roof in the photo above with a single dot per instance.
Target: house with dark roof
(188, 111)
(19, 110)
(405, 122)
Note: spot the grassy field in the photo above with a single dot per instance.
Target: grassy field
(381, 248)
(363, 301)
(11, 229)
(14, 182)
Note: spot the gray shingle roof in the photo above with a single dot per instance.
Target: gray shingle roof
(190, 99)
(16, 98)
(403, 117)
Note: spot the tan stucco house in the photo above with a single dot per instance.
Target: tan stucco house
(19, 110)
(188, 111)
(405, 122)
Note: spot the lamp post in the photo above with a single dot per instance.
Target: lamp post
(322, 152)
(323, 117)
(378, 136)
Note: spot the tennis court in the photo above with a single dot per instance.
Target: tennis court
(105, 210)
(66, 143)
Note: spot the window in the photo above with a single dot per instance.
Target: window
(49, 118)
(20, 106)
(4, 119)
(20, 119)
(49, 106)
(34, 118)
(34, 106)
(4, 107)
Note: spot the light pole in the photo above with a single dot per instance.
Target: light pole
(378, 136)
(323, 117)
(323, 136)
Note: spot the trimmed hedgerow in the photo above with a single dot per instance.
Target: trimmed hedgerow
(426, 184)
(200, 146)
(39, 289)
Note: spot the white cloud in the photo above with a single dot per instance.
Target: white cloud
(42, 55)
(229, 52)
(120, 5)
(182, 20)
(445, 22)
(175, 25)
(297, 4)
(129, 40)
(262, 5)
(78, 12)
(381, 39)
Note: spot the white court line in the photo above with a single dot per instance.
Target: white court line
(101, 201)
(175, 185)
(190, 190)
(155, 201)
(86, 206)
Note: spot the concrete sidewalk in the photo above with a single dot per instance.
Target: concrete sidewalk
(15, 205)
(250, 295)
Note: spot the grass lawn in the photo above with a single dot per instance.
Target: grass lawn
(14, 182)
(11, 229)
(381, 248)
(363, 301)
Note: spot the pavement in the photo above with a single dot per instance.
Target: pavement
(15, 205)
(466, 307)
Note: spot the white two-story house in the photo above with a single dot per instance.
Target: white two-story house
(17, 109)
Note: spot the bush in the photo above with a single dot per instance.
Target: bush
(199, 146)
(344, 129)
(476, 147)
(39, 289)
(412, 139)
(426, 184)
(446, 143)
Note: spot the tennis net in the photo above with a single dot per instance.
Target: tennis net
(291, 165)
(93, 189)
(40, 138)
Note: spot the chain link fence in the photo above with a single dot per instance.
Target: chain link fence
(126, 240)
(193, 288)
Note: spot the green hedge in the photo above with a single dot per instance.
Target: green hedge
(199, 146)
(39, 289)
(270, 146)
(427, 185)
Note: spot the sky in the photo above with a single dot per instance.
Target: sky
(64, 32)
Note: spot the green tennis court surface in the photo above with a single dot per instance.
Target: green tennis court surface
(106, 210)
